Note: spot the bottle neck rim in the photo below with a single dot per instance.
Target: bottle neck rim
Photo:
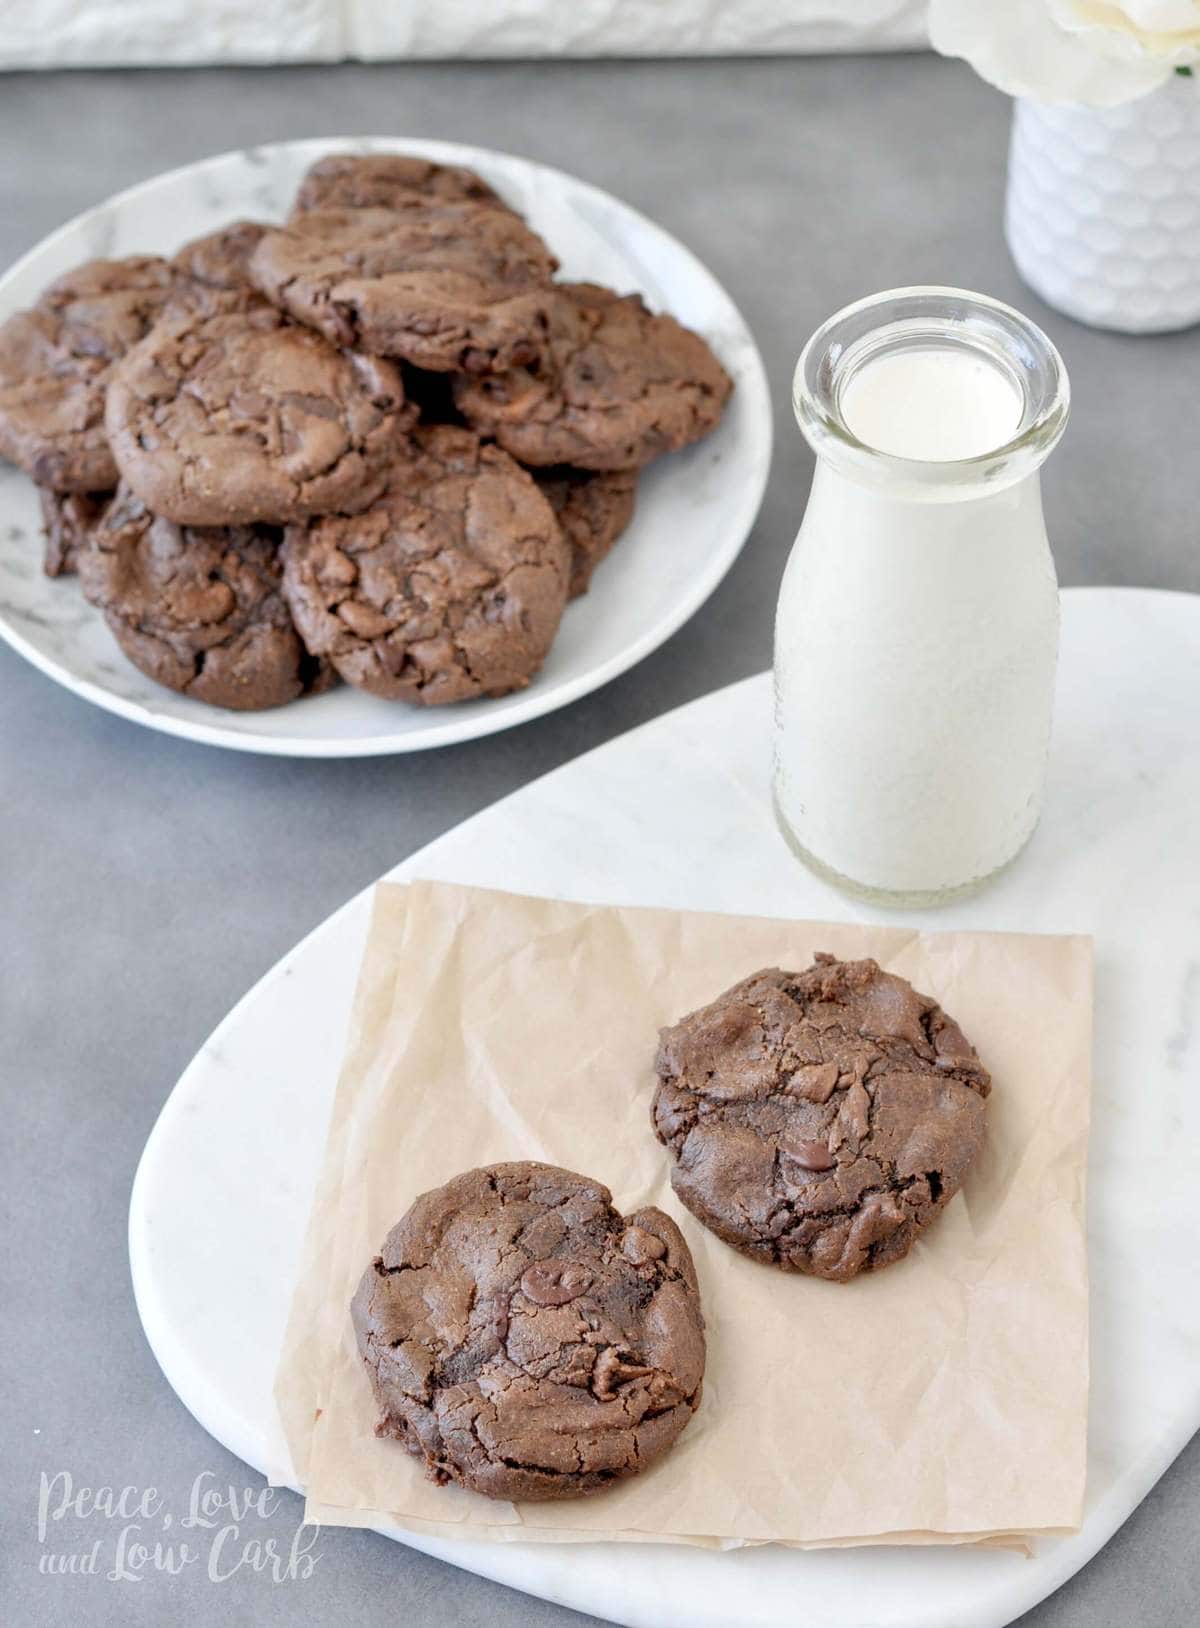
(908, 319)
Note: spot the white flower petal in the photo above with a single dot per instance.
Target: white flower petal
(1117, 33)
(1018, 46)
(1161, 16)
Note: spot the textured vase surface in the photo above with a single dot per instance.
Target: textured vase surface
(1103, 216)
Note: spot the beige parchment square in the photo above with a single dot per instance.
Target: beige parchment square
(942, 1400)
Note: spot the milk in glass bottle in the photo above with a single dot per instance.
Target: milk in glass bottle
(917, 629)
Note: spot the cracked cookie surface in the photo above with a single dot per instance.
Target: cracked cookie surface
(197, 609)
(67, 521)
(443, 285)
(385, 181)
(56, 360)
(593, 509)
(819, 1120)
(241, 416)
(616, 387)
(451, 585)
(214, 271)
(525, 1340)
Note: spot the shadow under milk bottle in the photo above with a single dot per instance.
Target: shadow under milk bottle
(917, 631)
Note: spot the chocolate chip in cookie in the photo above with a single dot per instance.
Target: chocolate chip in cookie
(525, 1340)
(593, 509)
(56, 361)
(198, 610)
(819, 1120)
(241, 416)
(443, 285)
(616, 386)
(449, 586)
(385, 181)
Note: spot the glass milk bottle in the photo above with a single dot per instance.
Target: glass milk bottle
(917, 629)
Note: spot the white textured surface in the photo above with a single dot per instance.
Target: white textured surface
(700, 503)
(1103, 214)
(222, 1193)
(66, 33)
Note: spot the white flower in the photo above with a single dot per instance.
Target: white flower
(1093, 52)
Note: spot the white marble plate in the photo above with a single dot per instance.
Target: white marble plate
(224, 1186)
(694, 509)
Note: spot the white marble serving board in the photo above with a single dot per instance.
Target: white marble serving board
(677, 814)
(694, 509)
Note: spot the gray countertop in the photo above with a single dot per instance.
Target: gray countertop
(146, 883)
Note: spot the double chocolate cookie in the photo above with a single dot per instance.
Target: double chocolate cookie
(525, 1340)
(616, 386)
(450, 585)
(198, 609)
(241, 416)
(443, 285)
(593, 510)
(213, 268)
(385, 181)
(819, 1120)
(56, 361)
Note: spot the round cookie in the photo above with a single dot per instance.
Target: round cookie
(819, 1120)
(441, 285)
(228, 418)
(593, 510)
(55, 363)
(385, 181)
(198, 610)
(525, 1340)
(617, 387)
(449, 586)
(67, 521)
(218, 265)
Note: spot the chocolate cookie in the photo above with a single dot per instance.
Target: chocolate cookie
(385, 181)
(617, 386)
(819, 1120)
(198, 610)
(241, 416)
(67, 520)
(442, 285)
(525, 1340)
(449, 586)
(593, 510)
(218, 264)
(55, 363)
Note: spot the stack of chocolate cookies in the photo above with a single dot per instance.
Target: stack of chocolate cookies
(380, 443)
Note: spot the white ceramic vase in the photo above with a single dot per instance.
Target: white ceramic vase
(1103, 215)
